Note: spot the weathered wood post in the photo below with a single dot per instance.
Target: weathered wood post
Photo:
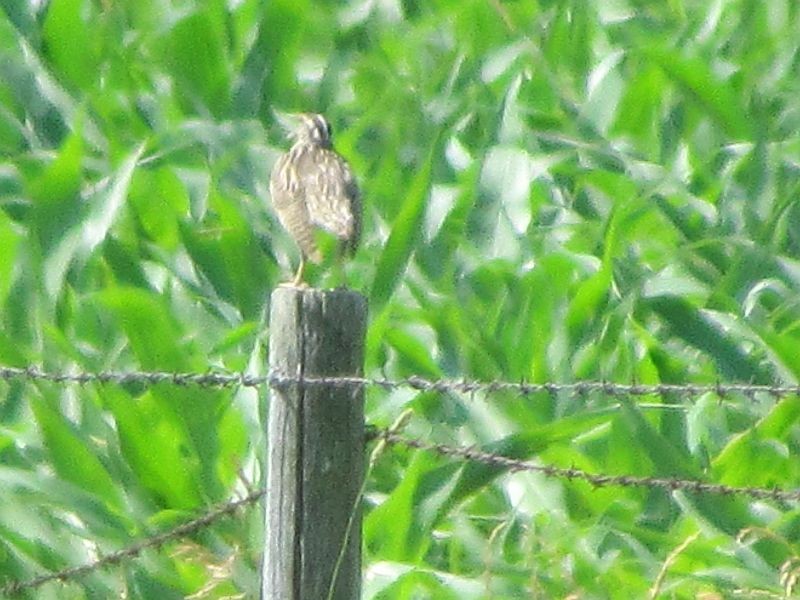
(316, 446)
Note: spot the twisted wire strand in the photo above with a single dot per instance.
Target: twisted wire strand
(597, 480)
(134, 550)
(33, 374)
(228, 380)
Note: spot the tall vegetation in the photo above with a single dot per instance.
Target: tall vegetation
(554, 191)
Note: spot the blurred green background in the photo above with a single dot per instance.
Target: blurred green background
(554, 191)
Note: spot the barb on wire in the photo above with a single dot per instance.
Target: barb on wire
(231, 379)
(134, 550)
(598, 480)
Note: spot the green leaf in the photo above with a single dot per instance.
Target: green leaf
(195, 52)
(9, 241)
(588, 300)
(71, 456)
(405, 233)
(400, 528)
(159, 199)
(155, 446)
(694, 77)
(761, 456)
(70, 43)
(55, 193)
(413, 354)
(227, 253)
(151, 329)
(94, 227)
(686, 322)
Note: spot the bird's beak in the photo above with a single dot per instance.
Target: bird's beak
(288, 122)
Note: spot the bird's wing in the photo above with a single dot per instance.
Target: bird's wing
(287, 197)
(331, 195)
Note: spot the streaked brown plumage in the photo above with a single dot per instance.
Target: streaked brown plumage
(313, 187)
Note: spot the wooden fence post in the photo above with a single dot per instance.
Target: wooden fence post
(316, 447)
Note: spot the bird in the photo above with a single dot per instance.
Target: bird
(313, 188)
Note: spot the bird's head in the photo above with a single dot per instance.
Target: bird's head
(313, 128)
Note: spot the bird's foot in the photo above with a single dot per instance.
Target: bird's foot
(300, 285)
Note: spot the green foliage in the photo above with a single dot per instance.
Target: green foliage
(553, 191)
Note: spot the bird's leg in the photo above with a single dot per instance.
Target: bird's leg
(298, 278)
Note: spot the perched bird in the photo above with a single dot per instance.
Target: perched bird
(312, 187)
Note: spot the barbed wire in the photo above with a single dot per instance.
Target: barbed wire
(33, 374)
(579, 388)
(390, 437)
(597, 480)
(134, 550)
